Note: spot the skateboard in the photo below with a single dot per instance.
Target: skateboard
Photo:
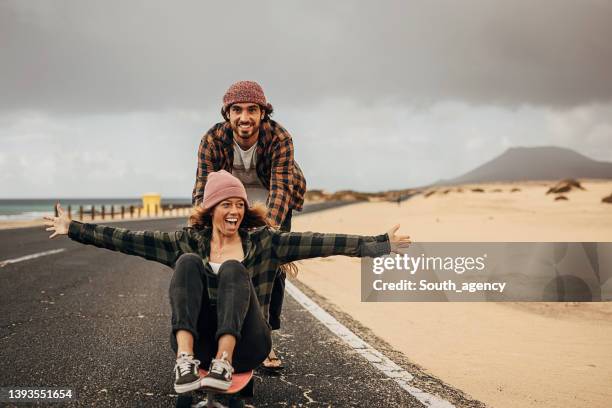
(243, 386)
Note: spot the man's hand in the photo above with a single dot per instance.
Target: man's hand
(58, 224)
(399, 243)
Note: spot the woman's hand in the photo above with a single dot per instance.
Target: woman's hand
(58, 224)
(399, 243)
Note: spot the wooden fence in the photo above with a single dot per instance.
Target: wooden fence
(122, 212)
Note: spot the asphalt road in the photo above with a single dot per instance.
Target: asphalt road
(98, 322)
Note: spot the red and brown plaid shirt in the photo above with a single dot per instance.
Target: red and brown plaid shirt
(275, 167)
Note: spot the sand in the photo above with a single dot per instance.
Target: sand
(504, 354)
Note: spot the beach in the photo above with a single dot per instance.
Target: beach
(504, 354)
(39, 221)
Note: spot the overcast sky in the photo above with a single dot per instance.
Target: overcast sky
(110, 99)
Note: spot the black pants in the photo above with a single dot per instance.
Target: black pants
(278, 288)
(237, 312)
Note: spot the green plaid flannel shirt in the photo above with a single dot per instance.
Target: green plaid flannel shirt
(265, 249)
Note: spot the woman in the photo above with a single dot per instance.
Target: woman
(224, 267)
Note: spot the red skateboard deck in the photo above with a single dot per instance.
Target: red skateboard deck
(239, 381)
(242, 387)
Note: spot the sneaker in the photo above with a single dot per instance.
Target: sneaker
(186, 374)
(219, 375)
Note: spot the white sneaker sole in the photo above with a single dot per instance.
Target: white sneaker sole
(183, 388)
(215, 384)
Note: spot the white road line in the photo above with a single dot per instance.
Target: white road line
(373, 356)
(32, 256)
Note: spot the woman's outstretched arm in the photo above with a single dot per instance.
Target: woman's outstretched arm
(292, 246)
(157, 246)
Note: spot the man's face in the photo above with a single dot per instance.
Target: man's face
(245, 119)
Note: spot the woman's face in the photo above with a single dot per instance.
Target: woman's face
(227, 216)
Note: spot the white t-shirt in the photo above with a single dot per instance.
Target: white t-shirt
(247, 156)
(215, 267)
(244, 168)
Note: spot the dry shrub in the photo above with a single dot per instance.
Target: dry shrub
(565, 186)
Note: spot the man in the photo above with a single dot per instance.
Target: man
(259, 152)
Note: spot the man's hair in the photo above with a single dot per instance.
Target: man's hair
(268, 110)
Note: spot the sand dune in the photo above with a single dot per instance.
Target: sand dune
(505, 354)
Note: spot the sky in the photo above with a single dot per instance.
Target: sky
(111, 99)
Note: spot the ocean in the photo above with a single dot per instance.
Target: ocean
(26, 209)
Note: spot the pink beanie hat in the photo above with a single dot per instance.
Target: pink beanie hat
(220, 186)
(245, 91)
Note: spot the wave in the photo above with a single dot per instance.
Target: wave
(25, 216)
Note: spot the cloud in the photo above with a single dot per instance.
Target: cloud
(363, 147)
(122, 155)
(114, 56)
(111, 98)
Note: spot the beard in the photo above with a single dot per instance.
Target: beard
(247, 132)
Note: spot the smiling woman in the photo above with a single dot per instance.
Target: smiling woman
(253, 216)
(225, 264)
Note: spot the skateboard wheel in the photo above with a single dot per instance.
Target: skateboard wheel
(184, 401)
(249, 390)
(236, 403)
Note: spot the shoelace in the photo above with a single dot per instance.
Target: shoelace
(185, 365)
(219, 364)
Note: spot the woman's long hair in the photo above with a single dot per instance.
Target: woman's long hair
(254, 216)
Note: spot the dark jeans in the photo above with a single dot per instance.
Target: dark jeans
(237, 312)
(278, 288)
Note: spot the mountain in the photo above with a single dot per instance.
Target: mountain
(535, 163)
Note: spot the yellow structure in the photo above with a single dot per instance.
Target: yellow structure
(151, 203)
